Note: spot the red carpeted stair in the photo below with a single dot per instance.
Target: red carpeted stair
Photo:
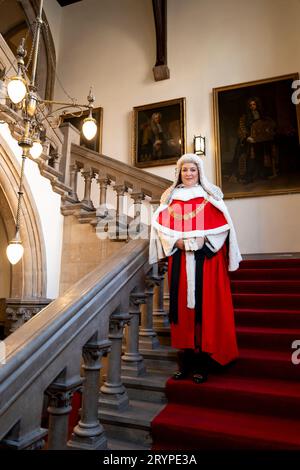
(254, 403)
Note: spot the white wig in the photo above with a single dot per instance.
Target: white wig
(210, 188)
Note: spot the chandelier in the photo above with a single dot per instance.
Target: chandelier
(22, 93)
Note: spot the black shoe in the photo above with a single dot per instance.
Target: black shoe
(179, 375)
(184, 360)
(199, 377)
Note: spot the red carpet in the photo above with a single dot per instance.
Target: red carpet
(254, 403)
(74, 415)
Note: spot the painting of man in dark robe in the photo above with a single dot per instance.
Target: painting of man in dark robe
(257, 130)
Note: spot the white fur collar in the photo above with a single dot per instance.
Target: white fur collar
(185, 193)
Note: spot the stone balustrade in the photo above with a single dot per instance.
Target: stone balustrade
(45, 358)
(135, 190)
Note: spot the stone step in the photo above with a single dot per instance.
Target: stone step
(163, 358)
(132, 424)
(264, 337)
(117, 444)
(163, 333)
(148, 387)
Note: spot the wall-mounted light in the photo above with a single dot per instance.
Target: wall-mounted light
(199, 145)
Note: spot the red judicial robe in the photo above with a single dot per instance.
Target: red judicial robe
(216, 332)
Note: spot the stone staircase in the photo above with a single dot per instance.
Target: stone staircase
(130, 429)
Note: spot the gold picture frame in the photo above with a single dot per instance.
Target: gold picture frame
(76, 119)
(256, 127)
(159, 133)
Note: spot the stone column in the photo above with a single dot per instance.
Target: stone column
(138, 199)
(60, 404)
(136, 226)
(121, 218)
(103, 182)
(148, 337)
(160, 315)
(133, 362)
(74, 169)
(53, 160)
(154, 204)
(71, 136)
(89, 433)
(113, 393)
(166, 291)
(88, 176)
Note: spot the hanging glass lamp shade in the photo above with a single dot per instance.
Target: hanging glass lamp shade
(89, 128)
(16, 89)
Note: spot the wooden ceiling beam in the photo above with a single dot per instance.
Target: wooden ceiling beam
(160, 70)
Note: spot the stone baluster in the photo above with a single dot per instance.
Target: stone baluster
(138, 199)
(74, 169)
(71, 136)
(60, 404)
(155, 201)
(88, 176)
(113, 393)
(136, 225)
(103, 182)
(54, 159)
(154, 204)
(89, 433)
(160, 315)
(133, 362)
(121, 218)
(148, 337)
(166, 291)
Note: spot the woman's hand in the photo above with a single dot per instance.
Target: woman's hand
(200, 242)
(197, 244)
(179, 244)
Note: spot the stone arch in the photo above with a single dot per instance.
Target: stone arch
(5, 267)
(28, 276)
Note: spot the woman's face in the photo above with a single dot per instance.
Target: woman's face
(189, 174)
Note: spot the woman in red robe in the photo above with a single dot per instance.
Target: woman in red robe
(193, 228)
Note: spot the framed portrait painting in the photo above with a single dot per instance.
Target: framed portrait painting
(159, 133)
(76, 119)
(257, 137)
